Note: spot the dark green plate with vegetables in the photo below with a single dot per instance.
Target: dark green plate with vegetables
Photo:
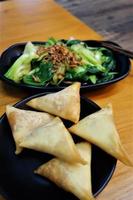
(54, 64)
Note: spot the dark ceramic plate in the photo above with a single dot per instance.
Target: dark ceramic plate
(17, 180)
(13, 52)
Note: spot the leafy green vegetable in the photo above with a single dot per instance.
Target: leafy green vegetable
(23, 64)
(87, 56)
(106, 58)
(76, 73)
(92, 78)
(59, 60)
(52, 41)
(80, 73)
(106, 77)
(92, 69)
(59, 75)
(40, 75)
(30, 49)
(72, 42)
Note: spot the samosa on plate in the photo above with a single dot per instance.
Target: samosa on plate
(53, 138)
(65, 103)
(22, 122)
(99, 129)
(74, 178)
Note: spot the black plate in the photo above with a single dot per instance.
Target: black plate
(17, 180)
(13, 52)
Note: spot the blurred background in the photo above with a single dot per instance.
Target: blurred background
(112, 19)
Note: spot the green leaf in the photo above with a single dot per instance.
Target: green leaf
(88, 56)
(92, 78)
(107, 77)
(40, 75)
(72, 42)
(76, 73)
(23, 64)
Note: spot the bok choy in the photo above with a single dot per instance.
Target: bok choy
(58, 61)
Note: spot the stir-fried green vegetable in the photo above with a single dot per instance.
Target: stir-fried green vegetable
(40, 75)
(58, 61)
(22, 65)
(88, 56)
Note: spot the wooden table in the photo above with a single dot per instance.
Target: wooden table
(109, 19)
(24, 20)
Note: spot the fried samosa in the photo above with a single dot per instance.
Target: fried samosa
(65, 103)
(22, 122)
(53, 138)
(99, 129)
(74, 178)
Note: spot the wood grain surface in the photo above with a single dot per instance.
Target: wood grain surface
(24, 20)
(112, 19)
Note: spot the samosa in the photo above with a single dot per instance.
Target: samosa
(99, 129)
(65, 103)
(53, 138)
(74, 178)
(22, 122)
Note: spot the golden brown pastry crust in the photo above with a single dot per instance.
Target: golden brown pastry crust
(22, 122)
(99, 129)
(74, 178)
(53, 138)
(65, 103)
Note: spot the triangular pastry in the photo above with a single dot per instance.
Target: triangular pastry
(22, 122)
(54, 139)
(74, 178)
(99, 129)
(65, 103)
